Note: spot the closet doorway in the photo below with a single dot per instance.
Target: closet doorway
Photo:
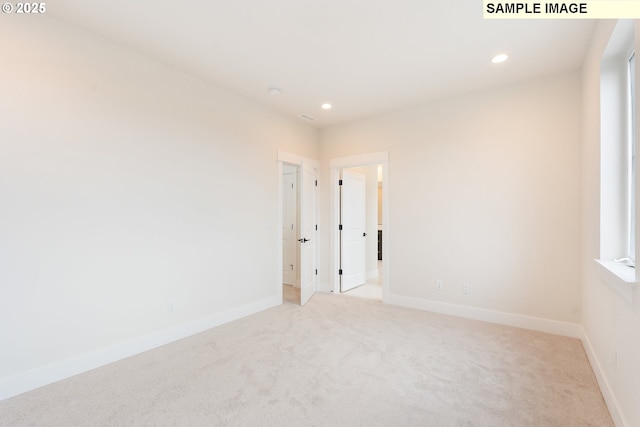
(374, 233)
(298, 231)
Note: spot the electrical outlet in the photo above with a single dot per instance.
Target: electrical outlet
(170, 306)
(439, 285)
(466, 288)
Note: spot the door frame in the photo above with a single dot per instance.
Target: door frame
(293, 159)
(335, 166)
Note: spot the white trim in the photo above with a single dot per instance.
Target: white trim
(294, 159)
(376, 158)
(278, 232)
(567, 329)
(605, 387)
(38, 377)
(621, 278)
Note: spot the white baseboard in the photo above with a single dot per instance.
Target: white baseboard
(572, 330)
(41, 376)
(603, 382)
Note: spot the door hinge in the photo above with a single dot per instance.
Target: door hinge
(340, 272)
(340, 227)
(316, 182)
(340, 182)
(316, 271)
(316, 227)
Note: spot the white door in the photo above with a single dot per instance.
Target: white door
(352, 236)
(289, 226)
(307, 240)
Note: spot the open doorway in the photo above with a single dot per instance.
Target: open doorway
(290, 227)
(376, 239)
(297, 239)
(361, 231)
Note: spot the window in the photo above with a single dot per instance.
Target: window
(631, 161)
(617, 154)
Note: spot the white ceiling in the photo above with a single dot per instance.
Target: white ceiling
(363, 56)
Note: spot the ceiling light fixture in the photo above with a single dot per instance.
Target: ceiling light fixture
(326, 106)
(499, 58)
(274, 91)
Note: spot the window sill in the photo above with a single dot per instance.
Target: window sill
(618, 276)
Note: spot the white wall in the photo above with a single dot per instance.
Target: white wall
(611, 323)
(485, 189)
(125, 184)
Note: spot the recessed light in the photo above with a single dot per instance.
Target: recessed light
(499, 58)
(326, 106)
(274, 91)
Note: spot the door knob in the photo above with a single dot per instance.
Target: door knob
(303, 240)
(364, 234)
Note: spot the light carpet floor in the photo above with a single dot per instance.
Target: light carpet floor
(337, 361)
